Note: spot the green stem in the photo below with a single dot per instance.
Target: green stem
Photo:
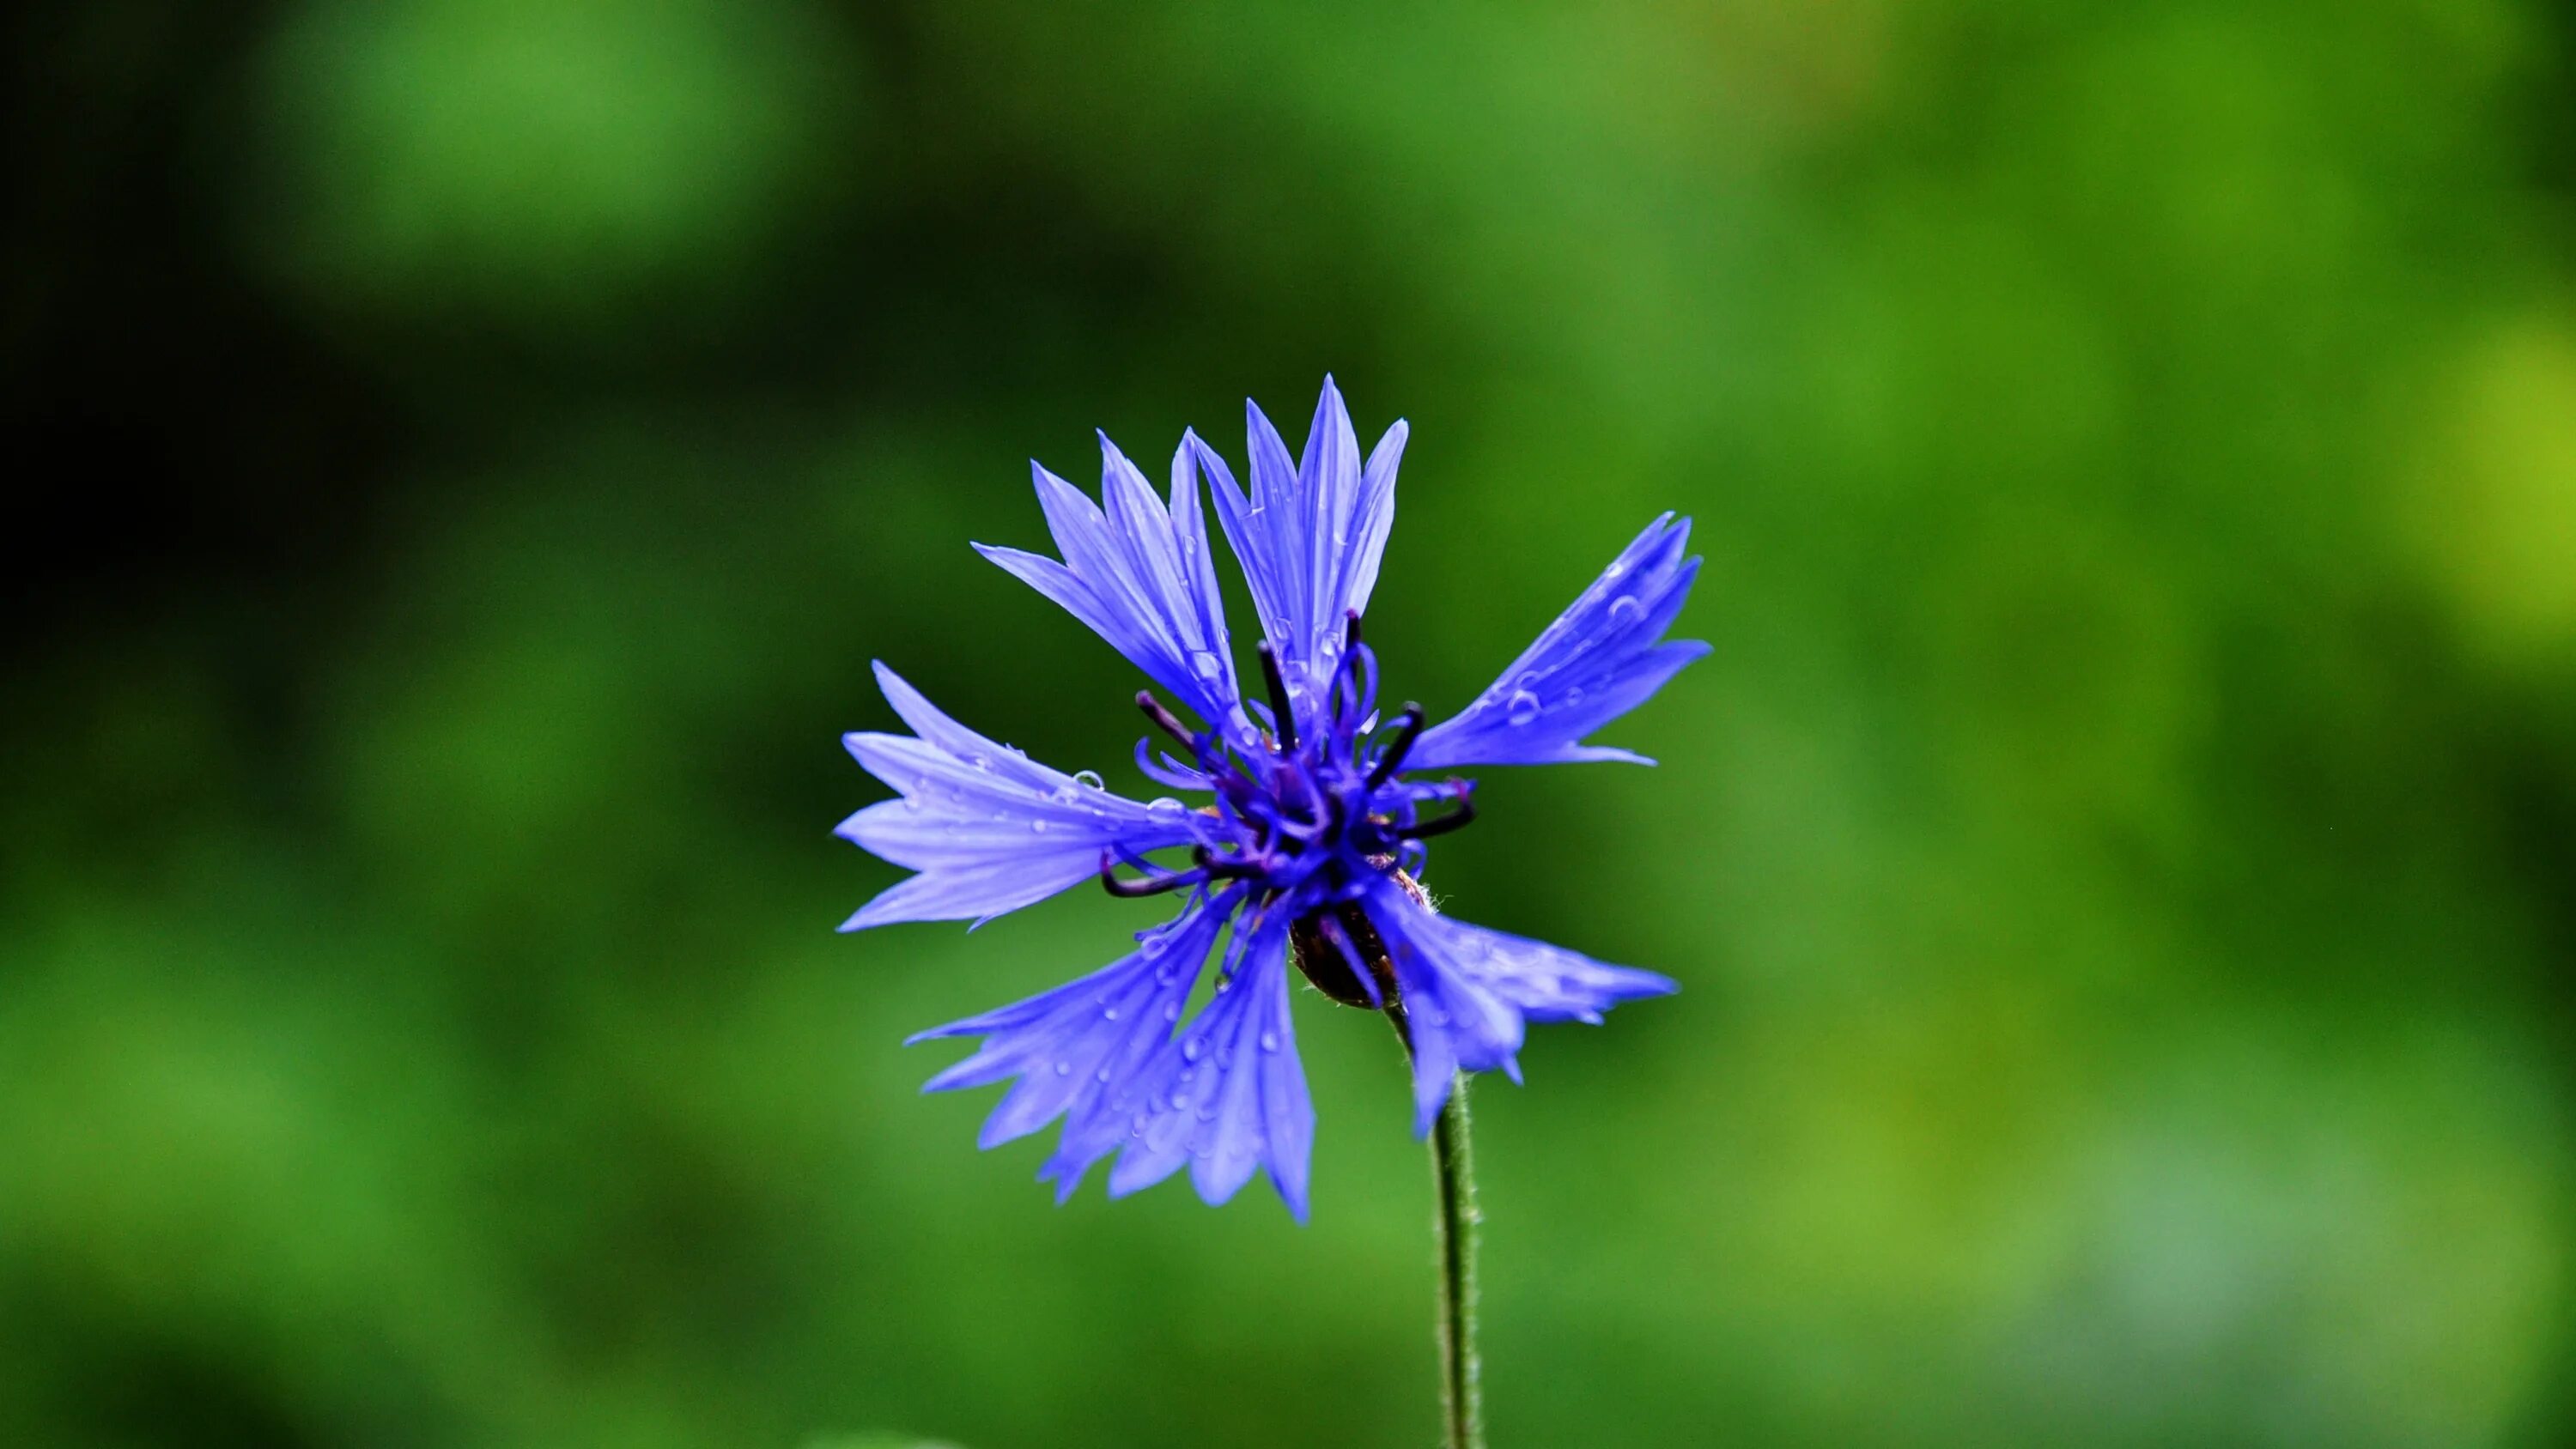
(1453, 1182)
(1453, 1174)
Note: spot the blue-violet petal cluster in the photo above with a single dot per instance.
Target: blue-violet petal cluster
(1301, 814)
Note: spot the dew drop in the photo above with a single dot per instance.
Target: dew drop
(1164, 810)
(1574, 696)
(1270, 1041)
(1171, 1011)
(1089, 779)
(1100, 1076)
(1109, 1013)
(1522, 709)
(1037, 827)
(1205, 664)
(1626, 610)
(913, 804)
(1180, 1100)
(1616, 570)
(1191, 1049)
(1064, 1069)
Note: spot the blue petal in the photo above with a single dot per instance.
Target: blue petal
(1309, 535)
(1604, 656)
(989, 829)
(1085, 1041)
(1139, 574)
(1225, 1097)
(1468, 991)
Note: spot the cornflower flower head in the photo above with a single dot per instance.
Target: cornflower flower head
(1298, 831)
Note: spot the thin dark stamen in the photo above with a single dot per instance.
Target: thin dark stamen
(1351, 630)
(1408, 725)
(1283, 717)
(1164, 720)
(1218, 867)
(1131, 890)
(1457, 819)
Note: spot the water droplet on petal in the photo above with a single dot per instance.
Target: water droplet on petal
(1164, 810)
(1089, 779)
(1522, 709)
(1064, 1069)
(1191, 1049)
(1270, 1041)
(1625, 610)
(1037, 827)
(913, 804)
(1109, 1013)
(1616, 570)
(1206, 665)
(1171, 1011)
(1574, 696)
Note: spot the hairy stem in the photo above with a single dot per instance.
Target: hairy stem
(1453, 1175)
(1453, 1230)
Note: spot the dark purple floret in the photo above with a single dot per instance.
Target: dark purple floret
(1308, 836)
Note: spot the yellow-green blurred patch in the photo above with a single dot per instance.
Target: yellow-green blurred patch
(528, 160)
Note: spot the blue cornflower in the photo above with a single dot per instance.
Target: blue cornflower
(1306, 829)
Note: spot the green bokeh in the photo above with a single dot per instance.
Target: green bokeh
(2118, 856)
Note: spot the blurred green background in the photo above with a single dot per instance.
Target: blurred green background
(2121, 857)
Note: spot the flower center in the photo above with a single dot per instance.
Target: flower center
(1308, 804)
